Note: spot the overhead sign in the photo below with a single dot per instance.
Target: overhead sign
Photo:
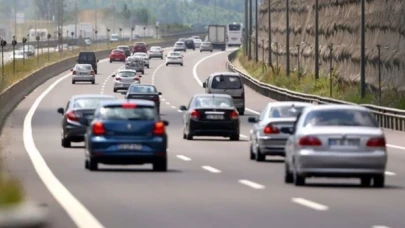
(20, 18)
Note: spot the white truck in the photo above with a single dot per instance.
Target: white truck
(217, 36)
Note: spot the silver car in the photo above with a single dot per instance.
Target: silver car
(180, 46)
(197, 43)
(124, 78)
(155, 52)
(83, 73)
(206, 46)
(174, 57)
(271, 130)
(336, 141)
(143, 56)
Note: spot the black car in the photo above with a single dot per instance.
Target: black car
(189, 44)
(126, 50)
(78, 113)
(88, 57)
(211, 115)
(144, 92)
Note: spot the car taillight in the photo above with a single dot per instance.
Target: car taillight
(155, 98)
(310, 141)
(376, 142)
(74, 72)
(92, 72)
(128, 105)
(136, 78)
(159, 128)
(270, 129)
(98, 128)
(234, 115)
(195, 114)
(72, 116)
(118, 79)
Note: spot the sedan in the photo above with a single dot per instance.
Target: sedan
(271, 130)
(83, 73)
(180, 46)
(211, 115)
(124, 78)
(117, 55)
(206, 46)
(145, 92)
(155, 52)
(174, 58)
(79, 111)
(336, 141)
(126, 132)
(126, 50)
(143, 56)
(197, 43)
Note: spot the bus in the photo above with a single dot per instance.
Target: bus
(235, 34)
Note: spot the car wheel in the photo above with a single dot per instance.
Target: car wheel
(95, 71)
(160, 165)
(181, 64)
(211, 51)
(143, 72)
(86, 164)
(200, 51)
(234, 137)
(66, 143)
(167, 64)
(241, 111)
(299, 180)
(288, 176)
(110, 61)
(115, 90)
(93, 166)
(73, 82)
(365, 181)
(379, 181)
(184, 135)
(147, 66)
(93, 82)
(252, 154)
(161, 57)
(259, 156)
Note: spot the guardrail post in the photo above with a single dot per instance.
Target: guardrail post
(3, 43)
(14, 43)
(38, 38)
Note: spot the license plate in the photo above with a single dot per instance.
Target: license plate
(127, 85)
(344, 142)
(130, 147)
(117, 59)
(82, 73)
(215, 117)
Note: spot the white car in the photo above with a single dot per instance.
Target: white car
(155, 52)
(180, 46)
(83, 73)
(197, 43)
(174, 57)
(18, 55)
(114, 38)
(124, 78)
(143, 56)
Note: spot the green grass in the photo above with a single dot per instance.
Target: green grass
(341, 90)
(11, 192)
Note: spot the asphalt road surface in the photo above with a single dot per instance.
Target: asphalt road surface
(210, 183)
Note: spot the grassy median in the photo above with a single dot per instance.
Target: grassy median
(341, 90)
(11, 192)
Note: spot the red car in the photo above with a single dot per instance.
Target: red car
(117, 55)
(140, 47)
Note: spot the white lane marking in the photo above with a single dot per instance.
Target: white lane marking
(388, 173)
(173, 107)
(380, 226)
(395, 146)
(168, 103)
(251, 184)
(163, 99)
(244, 136)
(211, 169)
(179, 111)
(182, 157)
(310, 204)
(76, 211)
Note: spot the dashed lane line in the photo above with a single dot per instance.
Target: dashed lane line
(379, 226)
(173, 107)
(251, 184)
(211, 169)
(310, 204)
(184, 158)
(388, 173)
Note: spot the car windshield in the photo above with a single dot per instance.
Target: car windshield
(174, 54)
(86, 57)
(197, 41)
(114, 36)
(206, 44)
(123, 48)
(142, 89)
(340, 117)
(120, 113)
(285, 111)
(83, 67)
(226, 82)
(88, 103)
(217, 102)
(179, 44)
(118, 52)
(126, 74)
(234, 27)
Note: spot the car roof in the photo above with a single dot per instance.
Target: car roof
(140, 53)
(214, 95)
(123, 46)
(87, 52)
(179, 42)
(143, 85)
(289, 103)
(92, 96)
(124, 70)
(131, 101)
(225, 74)
(338, 106)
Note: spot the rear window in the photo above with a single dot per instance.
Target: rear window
(218, 102)
(87, 57)
(118, 52)
(142, 89)
(226, 82)
(141, 55)
(126, 74)
(175, 54)
(119, 113)
(123, 48)
(83, 67)
(340, 118)
(179, 44)
(88, 103)
(234, 27)
(155, 48)
(285, 111)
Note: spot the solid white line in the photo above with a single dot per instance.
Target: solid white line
(244, 136)
(211, 169)
(77, 212)
(388, 173)
(380, 227)
(310, 204)
(172, 106)
(163, 99)
(168, 103)
(179, 111)
(182, 157)
(395, 147)
(252, 184)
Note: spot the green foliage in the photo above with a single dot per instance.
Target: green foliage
(10, 192)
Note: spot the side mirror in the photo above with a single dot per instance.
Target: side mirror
(61, 111)
(160, 93)
(140, 76)
(183, 108)
(113, 75)
(252, 120)
(204, 85)
(166, 122)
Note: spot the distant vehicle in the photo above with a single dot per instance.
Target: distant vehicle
(114, 38)
(211, 115)
(126, 50)
(29, 50)
(144, 92)
(87, 41)
(136, 64)
(195, 37)
(117, 55)
(235, 34)
(143, 56)
(206, 46)
(126, 132)
(77, 115)
(189, 44)
(88, 57)
(124, 78)
(270, 131)
(174, 57)
(83, 73)
(139, 47)
(336, 141)
(155, 52)
(18, 55)
(180, 46)
(217, 36)
(197, 43)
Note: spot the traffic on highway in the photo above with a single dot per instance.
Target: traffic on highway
(168, 137)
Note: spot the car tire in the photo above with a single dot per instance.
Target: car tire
(365, 181)
(189, 136)
(379, 181)
(111, 61)
(181, 64)
(234, 137)
(241, 112)
(147, 66)
(299, 180)
(167, 64)
(93, 82)
(184, 136)
(211, 51)
(86, 164)
(252, 154)
(200, 51)
(66, 143)
(260, 157)
(160, 165)
(93, 165)
(288, 176)
(161, 57)
(73, 82)
(143, 72)
(95, 71)
(115, 90)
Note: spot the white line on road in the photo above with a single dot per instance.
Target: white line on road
(251, 184)
(211, 169)
(173, 107)
(182, 157)
(388, 173)
(168, 103)
(310, 204)
(76, 210)
(395, 147)
(179, 111)
(380, 226)
(163, 99)
(244, 136)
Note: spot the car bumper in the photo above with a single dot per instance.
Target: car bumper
(340, 163)
(214, 128)
(179, 49)
(206, 49)
(174, 61)
(75, 133)
(155, 55)
(271, 145)
(117, 59)
(83, 78)
(122, 85)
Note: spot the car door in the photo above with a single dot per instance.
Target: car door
(257, 127)
(187, 114)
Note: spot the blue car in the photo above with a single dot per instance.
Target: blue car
(126, 132)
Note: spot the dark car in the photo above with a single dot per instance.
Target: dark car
(189, 44)
(88, 57)
(126, 132)
(77, 114)
(211, 115)
(140, 47)
(126, 50)
(145, 92)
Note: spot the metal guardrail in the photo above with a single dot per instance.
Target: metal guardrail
(387, 117)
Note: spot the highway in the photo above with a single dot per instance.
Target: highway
(210, 183)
